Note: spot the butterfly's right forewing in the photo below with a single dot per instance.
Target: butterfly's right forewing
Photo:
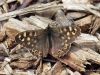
(35, 40)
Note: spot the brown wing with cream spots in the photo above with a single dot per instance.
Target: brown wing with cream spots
(35, 40)
(61, 38)
(63, 34)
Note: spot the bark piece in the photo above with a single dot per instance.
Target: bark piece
(2, 35)
(8, 1)
(80, 5)
(25, 3)
(56, 69)
(84, 23)
(76, 15)
(78, 57)
(46, 68)
(92, 73)
(38, 8)
(81, 54)
(96, 26)
(21, 64)
(87, 40)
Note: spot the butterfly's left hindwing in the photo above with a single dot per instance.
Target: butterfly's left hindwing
(35, 40)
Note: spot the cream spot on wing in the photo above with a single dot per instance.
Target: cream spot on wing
(60, 53)
(75, 29)
(32, 50)
(73, 33)
(24, 34)
(35, 51)
(70, 28)
(23, 39)
(68, 38)
(66, 41)
(65, 46)
(28, 38)
(68, 33)
(19, 36)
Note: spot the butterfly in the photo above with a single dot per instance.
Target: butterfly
(55, 39)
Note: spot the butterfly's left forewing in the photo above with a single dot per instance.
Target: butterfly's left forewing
(35, 40)
(63, 34)
(61, 39)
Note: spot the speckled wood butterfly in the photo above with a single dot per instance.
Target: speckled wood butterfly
(55, 39)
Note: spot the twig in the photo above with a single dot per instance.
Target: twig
(30, 9)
